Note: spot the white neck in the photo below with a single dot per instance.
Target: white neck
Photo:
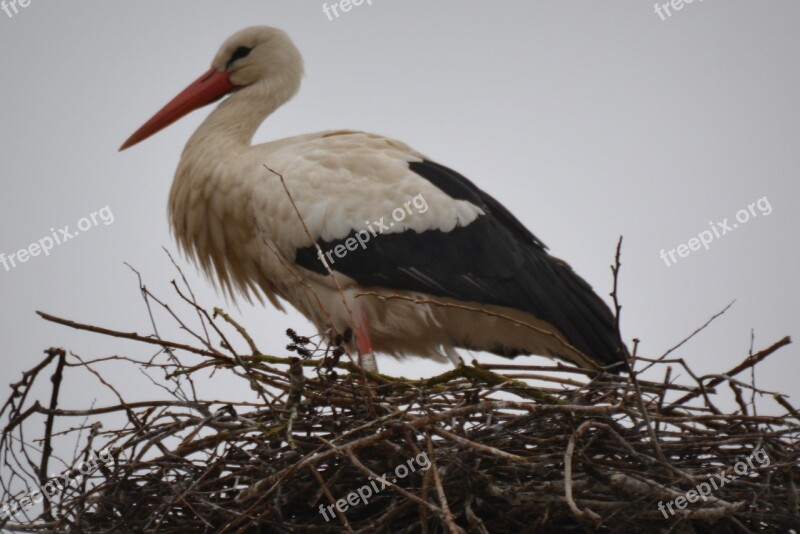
(232, 125)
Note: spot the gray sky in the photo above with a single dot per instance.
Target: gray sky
(589, 120)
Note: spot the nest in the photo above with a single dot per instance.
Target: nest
(329, 447)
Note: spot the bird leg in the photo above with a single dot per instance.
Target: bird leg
(366, 356)
(453, 356)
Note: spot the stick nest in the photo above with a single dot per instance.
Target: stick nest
(509, 448)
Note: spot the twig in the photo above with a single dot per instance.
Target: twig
(746, 364)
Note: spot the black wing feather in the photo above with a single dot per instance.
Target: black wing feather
(494, 260)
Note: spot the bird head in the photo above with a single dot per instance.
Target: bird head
(259, 58)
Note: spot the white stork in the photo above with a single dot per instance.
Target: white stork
(462, 272)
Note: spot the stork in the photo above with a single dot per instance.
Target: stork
(457, 270)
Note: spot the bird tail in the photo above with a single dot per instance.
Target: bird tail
(588, 323)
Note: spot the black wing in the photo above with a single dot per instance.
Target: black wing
(494, 260)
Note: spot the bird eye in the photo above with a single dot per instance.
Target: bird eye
(240, 52)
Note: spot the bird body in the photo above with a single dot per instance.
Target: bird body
(360, 230)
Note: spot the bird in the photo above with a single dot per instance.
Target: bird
(362, 233)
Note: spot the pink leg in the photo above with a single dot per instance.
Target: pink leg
(366, 357)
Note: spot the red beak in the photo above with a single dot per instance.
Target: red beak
(209, 87)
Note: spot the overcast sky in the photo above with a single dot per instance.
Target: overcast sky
(588, 120)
